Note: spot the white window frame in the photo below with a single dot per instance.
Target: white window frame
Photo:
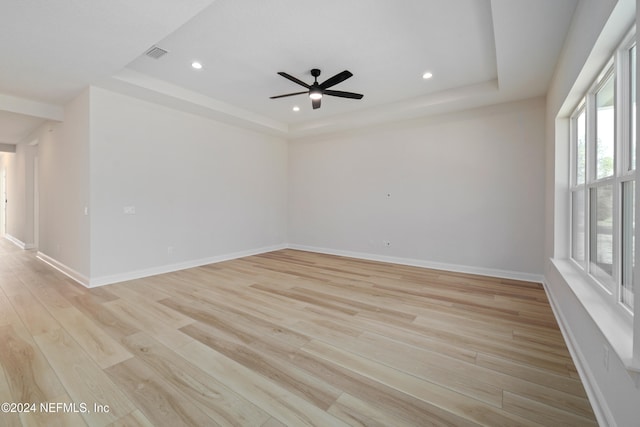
(618, 66)
(576, 187)
(626, 171)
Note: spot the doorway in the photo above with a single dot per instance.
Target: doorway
(3, 199)
(36, 204)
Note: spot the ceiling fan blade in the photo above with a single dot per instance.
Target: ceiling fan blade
(293, 79)
(315, 103)
(288, 94)
(342, 94)
(332, 81)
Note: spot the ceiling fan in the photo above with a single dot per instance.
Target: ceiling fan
(317, 90)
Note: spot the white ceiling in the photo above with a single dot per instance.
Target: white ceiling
(480, 51)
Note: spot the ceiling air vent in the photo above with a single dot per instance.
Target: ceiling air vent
(156, 53)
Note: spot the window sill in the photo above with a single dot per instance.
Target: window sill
(613, 324)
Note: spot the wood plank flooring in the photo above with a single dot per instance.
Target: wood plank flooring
(287, 338)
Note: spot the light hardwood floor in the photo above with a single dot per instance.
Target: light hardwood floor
(285, 338)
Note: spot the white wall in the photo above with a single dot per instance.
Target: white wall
(64, 189)
(466, 190)
(613, 392)
(26, 154)
(200, 187)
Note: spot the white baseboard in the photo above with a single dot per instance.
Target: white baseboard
(62, 268)
(598, 403)
(138, 274)
(19, 243)
(481, 271)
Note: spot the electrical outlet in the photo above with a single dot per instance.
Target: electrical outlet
(386, 243)
(169, 250)
(129, 210)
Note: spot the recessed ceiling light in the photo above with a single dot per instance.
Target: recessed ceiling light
(427, 75)
(196, 65)
(296, 108)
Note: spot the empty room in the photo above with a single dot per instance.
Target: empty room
(304, 213)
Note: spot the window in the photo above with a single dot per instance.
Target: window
(603, 165)
(578, 229)
(601, 234)
(581, 153)
(605, 129)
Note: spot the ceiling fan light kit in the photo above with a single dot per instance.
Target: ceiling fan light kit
(317, 90)
(315, 94)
